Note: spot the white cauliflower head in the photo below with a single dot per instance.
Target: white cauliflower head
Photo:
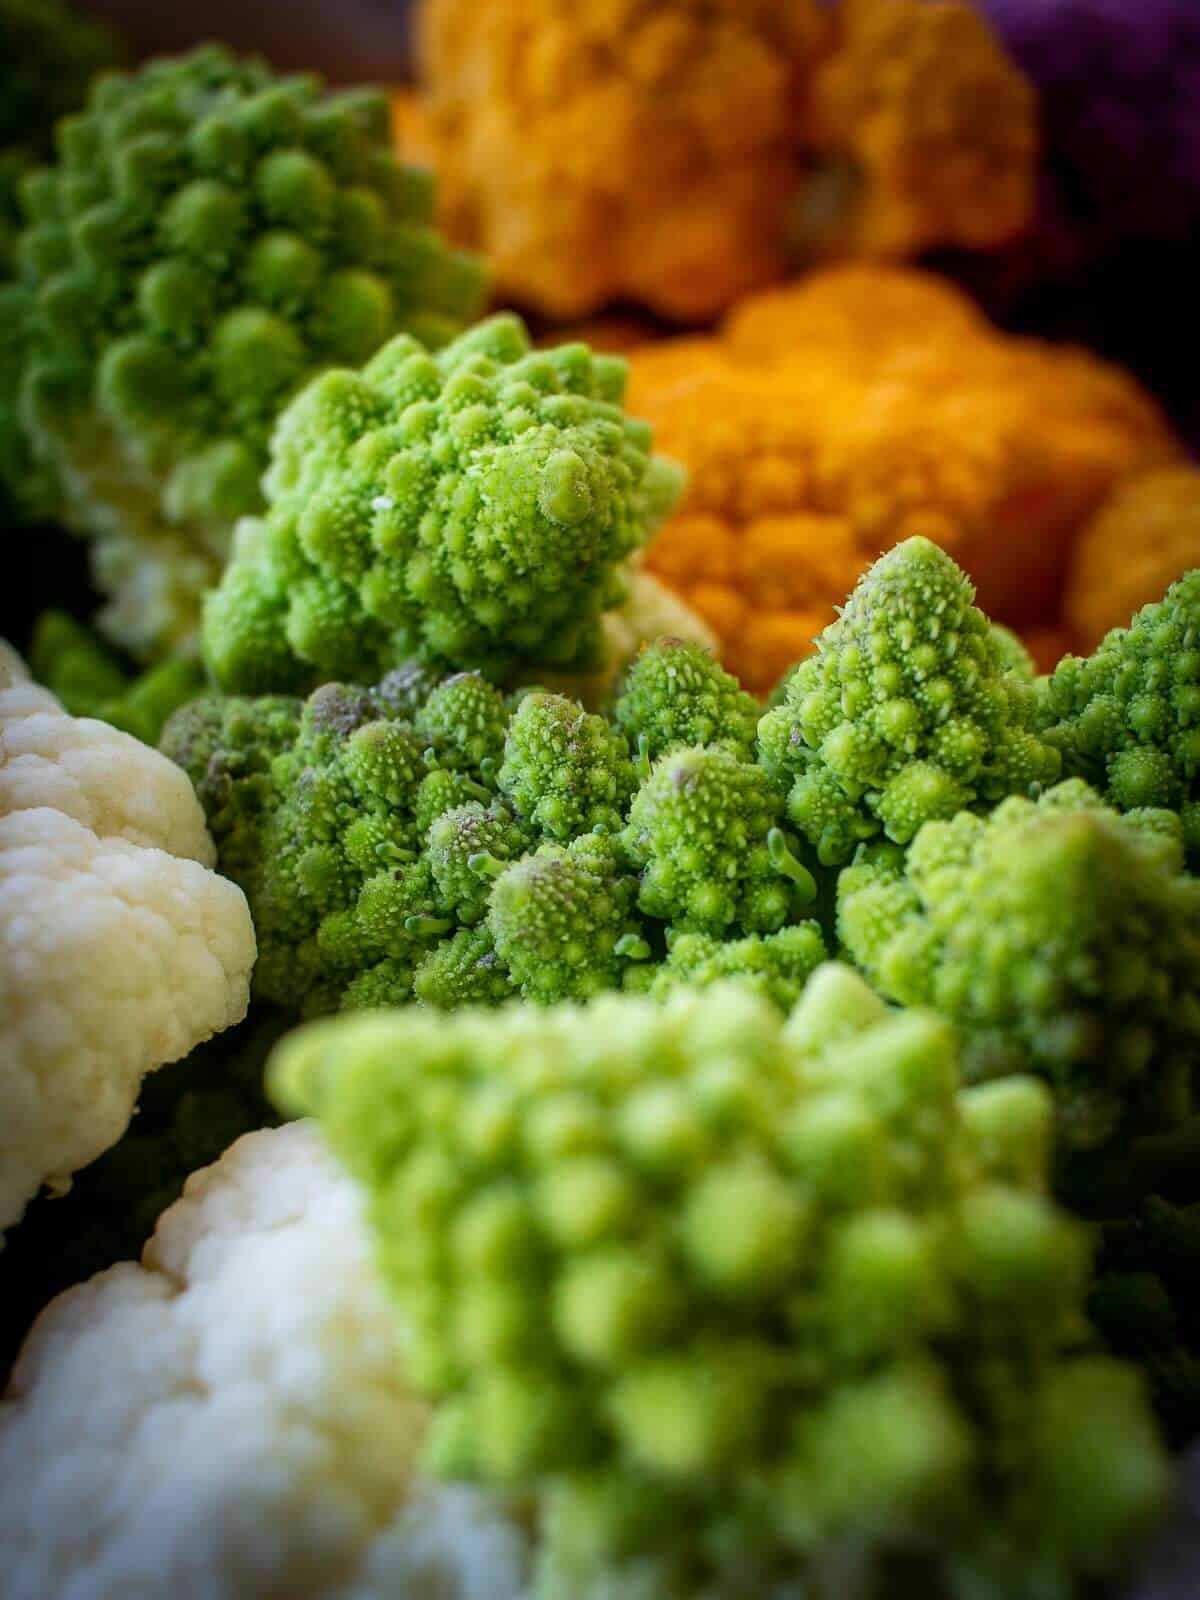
(228, 1420)
(119, 949)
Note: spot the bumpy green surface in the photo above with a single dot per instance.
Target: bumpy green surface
(676, 694)
(700, 830)
(441, 841)
(741, 1300)
(1061, 938)
(70, 660)
(477, 506)
(1127, 717)
(909, 711)
(208, 237)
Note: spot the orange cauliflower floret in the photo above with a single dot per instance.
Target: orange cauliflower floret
(826, 423)
(677, 153)
(926, 132)
(1139, 542)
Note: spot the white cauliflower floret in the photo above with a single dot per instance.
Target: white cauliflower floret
(229, 1420)
(120, 950)
(108, 780)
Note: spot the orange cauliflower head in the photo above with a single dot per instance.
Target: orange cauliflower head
(675, 153)
(826, 423)
(1141, 540)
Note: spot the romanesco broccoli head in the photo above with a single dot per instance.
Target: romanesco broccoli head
(564, 919)
(463, 970)
(1060, 938)
(208, 237)
(374, 828)
(465, 718)
(477, 505)
(1127, 717)
(703, 831)
(675, 693)
(734, 1295)
(565, 770)
(777, 965)
(907, 713)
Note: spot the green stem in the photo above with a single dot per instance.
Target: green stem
(784, 860)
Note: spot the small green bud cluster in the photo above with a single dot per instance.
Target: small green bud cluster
(1059, 937)
(1127, 717)
(734, 1295)
(208, 237)
(478, 505)
(909, 711)
(437, 839)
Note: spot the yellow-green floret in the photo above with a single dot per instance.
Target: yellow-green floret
(1127, 717)
(909, 711)
(740, 1300)
(675, 693)
(208, 237)
(478, 505)
(1060, 938)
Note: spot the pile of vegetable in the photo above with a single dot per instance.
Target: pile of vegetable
(582, 1017)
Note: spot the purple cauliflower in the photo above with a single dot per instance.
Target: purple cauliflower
(1119, 82)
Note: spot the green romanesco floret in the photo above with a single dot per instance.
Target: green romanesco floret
(209, 237)
(73, 664)
(703, 831)
(676, 694)
(371, 826)
(733, 1297)
(465, 718)
(469, 848)
(464, 970)
(565, 770)
(1127, 717)
(1061, 939)
(478, 505)
(776, 965)
(908, 712)
(564, 920)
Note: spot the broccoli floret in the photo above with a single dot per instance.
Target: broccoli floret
(675, 694)
(209, 236)
(776, 965)
(908, 712)
(734, 1297)
(564, 921)
(1060, 938)
(367, 840)
(463, 970)
(476, 506)
(464, 719)
(702, 828)
(469, 847)
(1127, 718)
(565, 770)
(70, 660)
